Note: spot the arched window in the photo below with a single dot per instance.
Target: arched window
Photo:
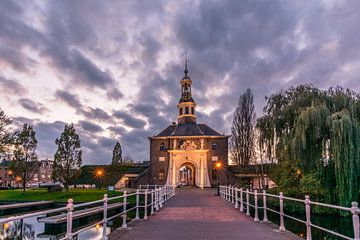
(180, 111)
(214, 174)
(214, 146)
(162, 147)
(186, 110)
(192, 110)
(161, 175)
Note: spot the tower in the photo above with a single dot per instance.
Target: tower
(186, 105)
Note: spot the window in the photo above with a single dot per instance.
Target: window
(180, 111)
(214, 174)
(192, 111)
(161, 174)
(214, 158)
(214, 146)
(186, 110)
(161, 159)
(162, 147)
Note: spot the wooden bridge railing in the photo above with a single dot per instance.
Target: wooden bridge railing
(236, 196)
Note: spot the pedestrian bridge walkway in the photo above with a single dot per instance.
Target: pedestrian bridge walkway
(197, 214)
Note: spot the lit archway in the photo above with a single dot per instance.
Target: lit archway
(187, 173)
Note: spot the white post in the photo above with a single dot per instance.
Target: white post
(124, 225)
(233, 195)
(137, 205)
(256, 218)
(308, 217)
(282, 225)
(247, 203)
(156, 199)
(265, 219)
(69, 218)
(229, 193)
(145, 204)
(105, 216)
(152, 202)
(236, 198)
(241, 200)
(161, 192)
(355, 211)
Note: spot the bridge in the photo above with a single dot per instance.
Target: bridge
(156, 212)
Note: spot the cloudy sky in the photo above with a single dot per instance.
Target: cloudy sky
(113, 67)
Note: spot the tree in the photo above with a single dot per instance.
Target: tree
(5, 136)
(242, 130)
(67, 159)
(25, 158)
(117, 154)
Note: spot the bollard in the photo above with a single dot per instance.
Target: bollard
(137, 205)
(241, 200)
(69, 219)
(105, 216)
(308, 217)
(256, 218)
(152, 202)
(282, 225)
(124, 225)
(236, 198)
(265, 219)
(145, 204)
(247, 203)
(355, 211)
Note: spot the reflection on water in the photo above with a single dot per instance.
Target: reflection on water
(31, 229)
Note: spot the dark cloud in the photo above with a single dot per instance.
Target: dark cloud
(89, 126)
(129, 119)
(95, 113)
(32, 106)
(11, 86)
(70, 99)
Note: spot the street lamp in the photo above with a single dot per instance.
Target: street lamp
(218, 166)
(99, 173)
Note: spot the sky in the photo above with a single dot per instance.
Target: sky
(112, 68)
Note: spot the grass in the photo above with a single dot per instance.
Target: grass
(79, 195)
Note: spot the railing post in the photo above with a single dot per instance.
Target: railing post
(156, 199)
(233, 195)
(236, 198)
(256, 218)
(161, 193)
(145, 204)
(152, 202)
(137, 205)
(265, 219)
(247, 203)
(308, 217)
(69, 218)
(124, 225)
(355, 212)
(105, 216)
(282, 225)
(241, 200)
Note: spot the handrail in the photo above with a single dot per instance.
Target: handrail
(236, 196)
(153, 198)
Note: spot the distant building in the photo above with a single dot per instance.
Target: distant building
(185, 153)
(7, 178)
(44, 172)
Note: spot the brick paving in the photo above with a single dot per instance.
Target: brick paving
(195, 214)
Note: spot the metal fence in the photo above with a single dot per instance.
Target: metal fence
(153, 198)
(236, 196)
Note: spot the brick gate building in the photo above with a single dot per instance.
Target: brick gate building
(185, 153)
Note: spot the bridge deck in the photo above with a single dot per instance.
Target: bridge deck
(197, 214)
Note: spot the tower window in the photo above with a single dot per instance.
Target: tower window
(186, 110)
(161, 174)
(214, 146)
(180, 111)
(192, 110)
(162, 147)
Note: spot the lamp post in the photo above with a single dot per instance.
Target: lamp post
(218, 166)
(99, 174)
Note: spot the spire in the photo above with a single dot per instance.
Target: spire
(186, 64)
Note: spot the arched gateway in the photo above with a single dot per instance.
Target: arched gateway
(187, 150)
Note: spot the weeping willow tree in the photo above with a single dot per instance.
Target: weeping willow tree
(315, 133)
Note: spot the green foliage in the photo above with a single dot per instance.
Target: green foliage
(67, 159)
(5, 136)
(25, 157)
(316, 131)
(117, 154)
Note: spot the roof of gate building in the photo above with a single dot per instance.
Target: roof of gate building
(188, 129)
